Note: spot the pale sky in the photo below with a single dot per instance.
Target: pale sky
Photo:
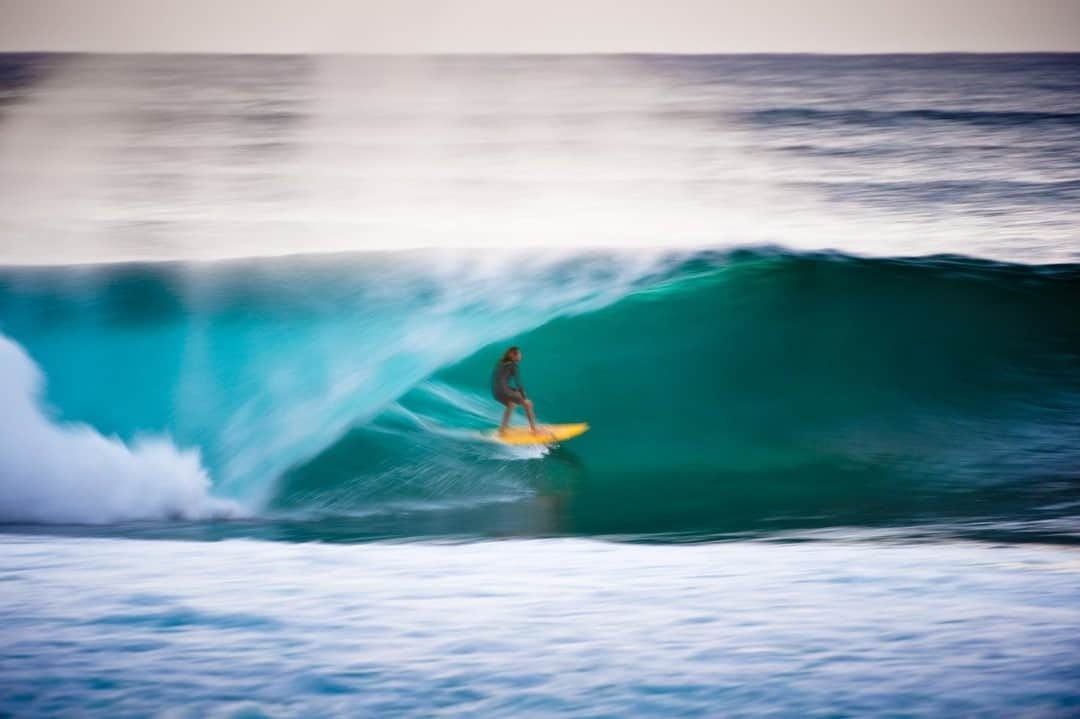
(555, 26)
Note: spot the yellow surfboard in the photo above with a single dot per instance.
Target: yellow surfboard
(548, 434)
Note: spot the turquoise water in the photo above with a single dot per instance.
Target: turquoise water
(728, 392)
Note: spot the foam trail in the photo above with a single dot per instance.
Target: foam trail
(55, 473)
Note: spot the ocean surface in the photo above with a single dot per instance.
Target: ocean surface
(821, 312)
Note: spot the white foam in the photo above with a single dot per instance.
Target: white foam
(69, 473)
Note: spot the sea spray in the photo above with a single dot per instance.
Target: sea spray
(52, 471)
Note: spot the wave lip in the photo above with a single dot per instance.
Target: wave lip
(54, 473)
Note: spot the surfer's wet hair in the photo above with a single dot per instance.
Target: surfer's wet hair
(508, 355)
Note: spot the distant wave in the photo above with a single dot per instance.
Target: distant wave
(107, 158)
(857, 116)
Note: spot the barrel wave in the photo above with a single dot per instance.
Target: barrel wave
(734, 392)
(757, 391)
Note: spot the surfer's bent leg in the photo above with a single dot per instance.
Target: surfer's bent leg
(527, 404)
(509, 410)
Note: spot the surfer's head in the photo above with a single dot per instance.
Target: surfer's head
(512, 355)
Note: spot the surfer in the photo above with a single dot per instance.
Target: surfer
(510, 396)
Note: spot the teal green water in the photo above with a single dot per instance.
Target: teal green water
(764, 391)
(728, 393)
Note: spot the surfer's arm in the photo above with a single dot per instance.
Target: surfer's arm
(517, 381)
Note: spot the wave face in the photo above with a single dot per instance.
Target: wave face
(749, 391)
(727, 392)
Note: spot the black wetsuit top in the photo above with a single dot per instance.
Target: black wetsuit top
(500, 383)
